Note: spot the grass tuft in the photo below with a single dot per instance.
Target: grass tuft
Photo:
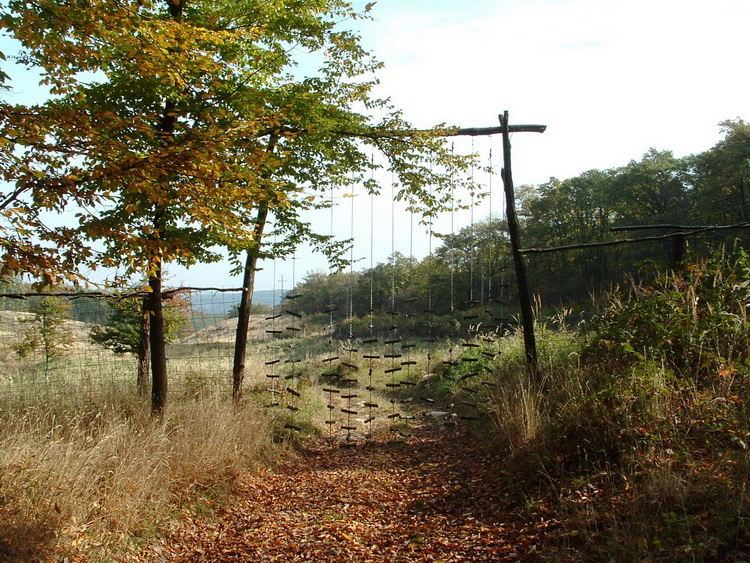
(104, 478)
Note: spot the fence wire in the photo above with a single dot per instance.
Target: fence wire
(47, 348)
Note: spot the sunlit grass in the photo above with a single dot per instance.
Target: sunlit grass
(85, 468)
(102, 477)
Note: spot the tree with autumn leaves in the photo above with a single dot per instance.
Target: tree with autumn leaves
(179, 130)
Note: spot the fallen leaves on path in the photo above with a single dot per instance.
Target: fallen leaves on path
(430, 497)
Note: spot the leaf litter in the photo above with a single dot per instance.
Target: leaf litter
(433, 496)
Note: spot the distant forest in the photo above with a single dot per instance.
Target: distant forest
(655, 197)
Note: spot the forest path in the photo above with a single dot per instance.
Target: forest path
(428, 497)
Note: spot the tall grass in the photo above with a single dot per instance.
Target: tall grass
(99, 478)
(639, 443)
(522, 407)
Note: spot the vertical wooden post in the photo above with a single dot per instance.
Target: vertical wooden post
(679, 246)
(524, 296)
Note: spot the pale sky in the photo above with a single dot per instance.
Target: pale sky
(609, 78)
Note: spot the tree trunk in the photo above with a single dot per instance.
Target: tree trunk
(157, 342)
(248, 285)
(246, 301)
(154, 304)
(143, 349)
(154, 300)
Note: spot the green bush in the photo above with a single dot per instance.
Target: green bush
(693, 322)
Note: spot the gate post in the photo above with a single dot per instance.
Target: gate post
(524, 296)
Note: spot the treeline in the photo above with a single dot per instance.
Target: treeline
(656, 197)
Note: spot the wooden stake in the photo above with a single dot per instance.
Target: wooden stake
(524, 296)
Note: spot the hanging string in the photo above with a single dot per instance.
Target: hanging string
(330, 356)
(453, 243)
(370, 404)
(372, 250)
(331, 421)
(294, 374)
(411, 241)
(294, 274)
(472, 249)
(452, 269)
(490, 255)
(471, 347)
(393, 340)
(490, 227)
(370, 356)
(393, 313)
(430, 311)
(349, 410)
(272, 332)
(351, 268)
(331, 305)
(409, 315)
(429, 253)
(273, 299)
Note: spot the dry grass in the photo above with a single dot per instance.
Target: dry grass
(94, 480)
(522, 408)
(84, 468)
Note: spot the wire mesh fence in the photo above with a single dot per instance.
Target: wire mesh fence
(49, 349)
(51, 346)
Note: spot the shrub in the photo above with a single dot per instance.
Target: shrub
(694, 322)
(643, 429)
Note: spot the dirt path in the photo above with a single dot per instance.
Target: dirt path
(430, 497)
